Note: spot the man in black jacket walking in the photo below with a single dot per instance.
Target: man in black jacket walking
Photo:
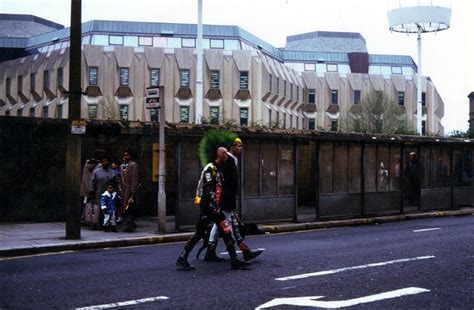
(229, 207)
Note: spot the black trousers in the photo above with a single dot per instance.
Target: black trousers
(206, 218)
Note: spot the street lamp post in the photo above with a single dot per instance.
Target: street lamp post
(199, 95)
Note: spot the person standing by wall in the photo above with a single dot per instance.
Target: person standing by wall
(108, 202)
(90, 165)
(101, 176)
(129, 185)
(413, 173)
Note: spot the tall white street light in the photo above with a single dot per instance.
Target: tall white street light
(419, 17)
(199, 74)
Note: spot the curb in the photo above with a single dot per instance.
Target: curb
(78, 245)
(284, 228)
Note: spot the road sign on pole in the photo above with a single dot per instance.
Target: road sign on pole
(152, 100)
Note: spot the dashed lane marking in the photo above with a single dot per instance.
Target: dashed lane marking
(124, 303)
(326, 272)
(427, 229)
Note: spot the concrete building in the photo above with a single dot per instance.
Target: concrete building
(471, 111)
(305, 85)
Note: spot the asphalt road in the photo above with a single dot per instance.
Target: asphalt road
(422, 264)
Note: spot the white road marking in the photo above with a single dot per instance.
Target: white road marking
(310, 301)
(226, 253)
(124, 303)
(427, 229)
(323, 273)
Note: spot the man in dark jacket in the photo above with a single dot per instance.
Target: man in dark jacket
(212, 185)
(229, 206)
(128, 186)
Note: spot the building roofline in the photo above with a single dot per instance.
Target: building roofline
(230, 31)
(28, 17)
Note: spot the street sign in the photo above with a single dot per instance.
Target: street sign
(152, 100)
(78, 127)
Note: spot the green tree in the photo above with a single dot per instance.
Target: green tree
(376, 113)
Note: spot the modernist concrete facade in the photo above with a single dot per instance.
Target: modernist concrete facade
(246, 80)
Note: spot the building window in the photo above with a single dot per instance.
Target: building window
(297, 93)
(93, 76)
(115, 40)
(270, 82)
(145, 41)
(244, 116)
(32, 112)
(396, 70)
(124, 76)
(184, 114)
(284, 88)
(244, 80)
(20, 84)
(214, 113)
(188, 42)
(334, 99)
(270, 117)
(215, 43)
(215, 79)
(92, 111)
(291, 91)
(334, 125)
(284, 120)
(20, 112)
(8, 86)
(7, 113)
(311, 123)
(60, 77)
(124, 112)
(312, 95)
(154, 77)
(331, 67)
(356, 96)
(46, 79)
(423, 128)
(45, 111)
(401, 98)
(32, 82)
(423, 99)
(60, 111)
(155, 115)
(278, 86)
(184, 78)
(309, 67)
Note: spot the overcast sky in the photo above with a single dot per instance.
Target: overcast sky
(447, 57)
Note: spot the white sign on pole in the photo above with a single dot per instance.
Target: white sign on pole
(152, 98)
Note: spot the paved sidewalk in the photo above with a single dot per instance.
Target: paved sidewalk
(18, 239)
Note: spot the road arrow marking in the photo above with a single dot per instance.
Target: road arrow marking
(124, 303)
(310, 301)
(322, 273)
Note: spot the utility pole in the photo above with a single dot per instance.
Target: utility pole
(73, 152)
